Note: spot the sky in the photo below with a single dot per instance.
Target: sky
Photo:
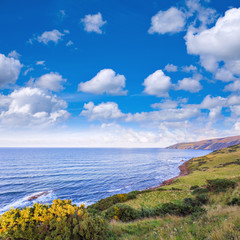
(118, 73)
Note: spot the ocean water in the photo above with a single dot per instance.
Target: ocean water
(83, 175)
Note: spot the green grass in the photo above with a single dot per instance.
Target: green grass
(218, 224)
(221, 221)
(154, 198)
(212, 169)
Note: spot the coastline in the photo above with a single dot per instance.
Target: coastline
(183, 172)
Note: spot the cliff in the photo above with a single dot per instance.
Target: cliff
(211, 144)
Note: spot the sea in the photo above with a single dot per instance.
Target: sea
(84, 175)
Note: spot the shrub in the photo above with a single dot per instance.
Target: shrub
(202, 199)
(197, 202)
(132, 195)
(220, 185)
(194, 187)
(60, 220)
(189, 206)
(147, 212)
(122, 212)
(105, 203)
(190, 202)
(199, 191)
(173, 209)
(235, 201)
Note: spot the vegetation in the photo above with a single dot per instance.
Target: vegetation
(60, 220)
(202, 205)
(105, 203)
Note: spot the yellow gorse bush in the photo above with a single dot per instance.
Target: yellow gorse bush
(41, 221)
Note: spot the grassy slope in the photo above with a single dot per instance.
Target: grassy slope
(221, 221)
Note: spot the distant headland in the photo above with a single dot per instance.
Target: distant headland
(210, 144)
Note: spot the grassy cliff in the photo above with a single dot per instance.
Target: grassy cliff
(202, 205)
(210, 144)
(221, 220)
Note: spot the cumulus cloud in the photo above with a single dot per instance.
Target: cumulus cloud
(204, 15)
(169, 115)
(233, 87)
(106, 81)
(189, 68)
(52, 81)
(212, 102)
(189, 84)
(157, 84)
(93, 23)
(167, 103)
(9, 70)
(224, 75)
(103, 111)
(171, 68)
(219, 43)
(170, 21)
(31, 107)
(110, 111)
(48, 36)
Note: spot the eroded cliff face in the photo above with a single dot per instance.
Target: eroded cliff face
(211, 144)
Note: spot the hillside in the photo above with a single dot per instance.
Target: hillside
(221, 220)
(210, 144)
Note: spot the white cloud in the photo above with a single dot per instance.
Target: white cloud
(233, 100)
(14, 54)
(51, 81)
(224, 75)
(110, 111)
(215, 113)
(48, 36)
(66, 31)
(169, 115)
(233, 66)
(171, 21)
(189, 84)
(40, 63)
(103, 111)
(171, 68)
(219, 43)
(167, 104)
(93, 23)
(233, 87)
(31, 107)
(204, 15)
(157, 84)
(235, 110)
(106, 81)
(189, 68)
(212, 102)
(62, 14)
(9, 70)
(69, 43)
(27, 71)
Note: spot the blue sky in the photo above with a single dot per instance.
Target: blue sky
(93, 73)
